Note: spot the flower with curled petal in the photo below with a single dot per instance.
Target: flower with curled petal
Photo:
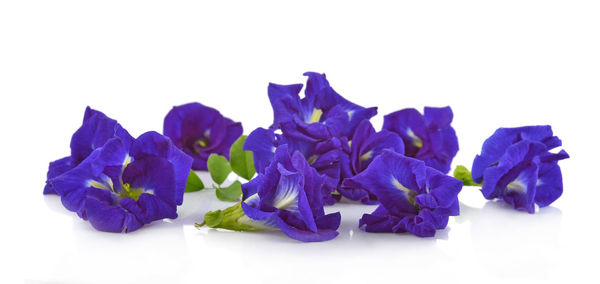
(96, 129)
(124, 185)
(199, 131)
(286, 197)
(325, 156)
(427, 137)
(515, 165)
(413, 197)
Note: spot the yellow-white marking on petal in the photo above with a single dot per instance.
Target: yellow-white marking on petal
(409, 193)
(261, 225)
(350, 114)
(366, 156)
(93, 183)
(517, 185)
(286, 196)
(416, 141)
(316, 115)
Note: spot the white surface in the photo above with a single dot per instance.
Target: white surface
(500, 63)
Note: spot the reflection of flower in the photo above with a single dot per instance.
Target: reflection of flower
(123, 185)
(427, 137)
(96, 129)
(515, 165)
(365, 147)
(288, 196)
(199, 131)
(414, 198)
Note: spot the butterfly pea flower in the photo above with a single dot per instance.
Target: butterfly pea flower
(286, 197)
(96, 129)
(325, 156)
(366, 145)
(515, 165)
(200, 131)
(427, 137)
(124, 185)
(413, 197)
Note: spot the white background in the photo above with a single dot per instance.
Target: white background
(497, 63)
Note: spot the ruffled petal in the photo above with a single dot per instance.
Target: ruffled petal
(95, 131)
(55, 169)
(285, 102)
(262, 142)
(411, 126)
(380, 221)
(305, 235)
(104, 216)
(442, 187)
(153, 144)
(438, 117)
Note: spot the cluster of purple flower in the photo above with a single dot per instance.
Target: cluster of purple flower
(402, 167)
(320, 148)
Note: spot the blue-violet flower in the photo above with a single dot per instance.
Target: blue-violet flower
(515, 165)
(413, 197)
(199, 131)
(287, 197)
(125, 184)
(428, 137)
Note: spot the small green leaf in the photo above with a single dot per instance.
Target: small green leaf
(232, 218)
(242, 161)
(194, 183)
(230, 193)
(463, 174)
(219, 168)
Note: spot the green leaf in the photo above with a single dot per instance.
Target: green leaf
(230, 193)
(242, 161)
(463, 174)
(232, 218)
(219, 168)
(194, 183)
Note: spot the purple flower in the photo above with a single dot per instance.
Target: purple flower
(199, 131)
(515, 165)
(413, 197)
(96, 129)
(365, 147)
(287, 196)
(427, 137)
(125, 184)
(326, 156)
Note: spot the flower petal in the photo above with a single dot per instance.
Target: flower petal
(154, 176)
(104, 216)
(395, 180)
(153, 144)
(549, 184)
(411, 126)
(285, 102)
(55, 169)
(305, 235)
(262, 142)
